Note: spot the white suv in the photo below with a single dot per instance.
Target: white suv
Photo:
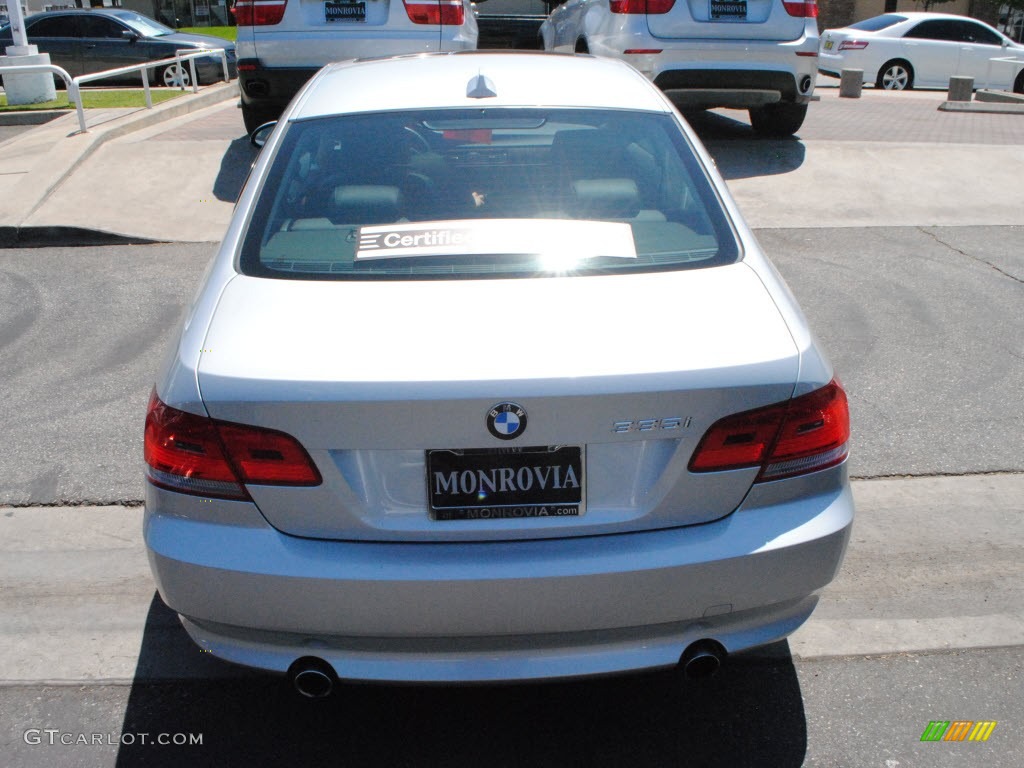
(282, 43)
(759, 55)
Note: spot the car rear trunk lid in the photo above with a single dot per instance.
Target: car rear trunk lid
(727, 20)
(372, 377)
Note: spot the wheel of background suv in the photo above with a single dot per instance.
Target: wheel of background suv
(174, 76)
(254, 117)
(778, 119)
(895, 75)
(581, 46)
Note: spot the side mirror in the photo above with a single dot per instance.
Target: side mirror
(261, 135)
(130, 36)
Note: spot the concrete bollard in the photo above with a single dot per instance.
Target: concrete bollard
(30, 88)
(960, 89)
(850, 83)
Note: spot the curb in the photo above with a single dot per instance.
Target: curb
(31, 116)
(990, 107)
(77, 147)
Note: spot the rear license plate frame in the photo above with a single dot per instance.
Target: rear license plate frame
(345, 13)
(506, 483)
(727, 10)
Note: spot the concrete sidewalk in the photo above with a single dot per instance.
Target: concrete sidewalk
(38, 162)
(933, 563)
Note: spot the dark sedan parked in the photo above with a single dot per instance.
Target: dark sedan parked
(98, 39)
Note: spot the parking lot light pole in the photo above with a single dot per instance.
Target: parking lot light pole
(32, 88)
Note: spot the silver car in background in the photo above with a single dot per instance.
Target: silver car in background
(489, 380)
(282, 43)
(758, 55)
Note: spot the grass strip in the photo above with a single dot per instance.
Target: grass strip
(124, 97)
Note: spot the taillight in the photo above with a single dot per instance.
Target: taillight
(803, 435)
(853, 45)
(653, 7)
(259, 13)
(205, 457)
(804, 9)
(447, 13)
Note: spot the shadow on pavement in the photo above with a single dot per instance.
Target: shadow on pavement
(750, 714)
(234, 169)
(739, 153)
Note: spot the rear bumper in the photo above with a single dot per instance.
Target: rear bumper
(270, 89)
(497, 611)
(738, 74)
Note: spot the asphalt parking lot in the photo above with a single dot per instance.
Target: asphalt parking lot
(899, 229)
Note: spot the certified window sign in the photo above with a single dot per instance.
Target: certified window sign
(729, 10)
(344, 12)
(557, 239)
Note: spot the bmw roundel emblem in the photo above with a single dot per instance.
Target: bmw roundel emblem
(506, 421)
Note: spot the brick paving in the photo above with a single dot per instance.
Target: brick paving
(893, 118)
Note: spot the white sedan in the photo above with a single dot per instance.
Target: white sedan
(489, 380)
(898, 51)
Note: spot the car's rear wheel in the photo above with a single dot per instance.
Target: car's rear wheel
(895, 75)
(1018, 84)
(581, 46)
(174, 76)
(778, 119)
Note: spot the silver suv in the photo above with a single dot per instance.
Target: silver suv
(282, 43)
(759, 55)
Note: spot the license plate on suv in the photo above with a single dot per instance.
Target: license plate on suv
(503, 483)
(344, 12)
(734, 10)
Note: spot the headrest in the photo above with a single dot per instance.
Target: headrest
(366, 204)
(606, 198)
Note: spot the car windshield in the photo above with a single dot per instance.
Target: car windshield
(484, 192)
(878, 22)
(144, 25)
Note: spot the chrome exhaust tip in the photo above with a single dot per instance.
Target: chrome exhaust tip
(701, 659)
(313, 678)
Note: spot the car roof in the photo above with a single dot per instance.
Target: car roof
(921, 15)
(115, 12)
(443, 80)
(107, 11)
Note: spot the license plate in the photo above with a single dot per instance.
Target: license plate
(828, 45)
(733, 10)
(502, 483)
(344, 12)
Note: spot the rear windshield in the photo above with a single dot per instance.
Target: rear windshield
(484, 193)
(878, 22)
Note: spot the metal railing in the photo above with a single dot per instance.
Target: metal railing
(73, 83)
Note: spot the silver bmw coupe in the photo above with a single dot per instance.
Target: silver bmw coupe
(490, 381)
